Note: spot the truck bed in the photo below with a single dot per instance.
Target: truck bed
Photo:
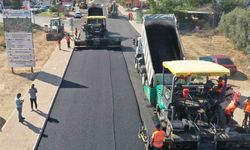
(163, 44)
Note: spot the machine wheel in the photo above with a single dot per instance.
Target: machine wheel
(49, 37)
(137, 65)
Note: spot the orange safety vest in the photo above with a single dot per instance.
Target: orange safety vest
(247, 106)
(158, 138)
(230, 108)
(222, 83)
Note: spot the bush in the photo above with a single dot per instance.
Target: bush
(236, 26)
(54, 8)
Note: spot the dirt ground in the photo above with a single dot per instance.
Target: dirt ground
(11, 84)
(212, 42)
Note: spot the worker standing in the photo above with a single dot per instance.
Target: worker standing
(19, 105)
(229, 110)
(130, 16)
(221, 84)
(59, 43)
(76, 32)
(68, 38)
(247, 112)
(158, 138)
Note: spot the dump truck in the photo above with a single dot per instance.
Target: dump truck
(94, 33)
(112, 10)
(55, 29)
(158, 42)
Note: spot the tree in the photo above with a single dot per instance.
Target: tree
(228, 5)
(169, 6)
(236, 26)
(16, 4)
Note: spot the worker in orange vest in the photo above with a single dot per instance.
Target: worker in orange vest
(247, 111)
(221, 84)
(229, 110)
(130, 16)
(158, 138)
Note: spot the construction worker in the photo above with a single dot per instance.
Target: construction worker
(247, 112)
(217, 90)
(68, 39)
(221, 84)
(59, 43)
(158, 137)
(76, 32)
(130, 16)
(229, 110)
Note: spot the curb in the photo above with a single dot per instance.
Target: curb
(35, 146)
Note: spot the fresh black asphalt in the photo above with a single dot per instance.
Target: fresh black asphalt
(96, 107)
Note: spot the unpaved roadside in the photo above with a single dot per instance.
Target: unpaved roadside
(11, 84)
(206, 43)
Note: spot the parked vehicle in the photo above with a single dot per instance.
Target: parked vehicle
(222, 60)
(78, 15)
(43, 8)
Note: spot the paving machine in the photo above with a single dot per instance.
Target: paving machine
(94, 33)
(55, 29)
(112, 9)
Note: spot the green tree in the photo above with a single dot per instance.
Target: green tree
(170, 6)
(236, 26)
(228, 5)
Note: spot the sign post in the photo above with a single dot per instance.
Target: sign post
(19, 38)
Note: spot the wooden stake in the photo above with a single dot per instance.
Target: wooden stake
(12, 70)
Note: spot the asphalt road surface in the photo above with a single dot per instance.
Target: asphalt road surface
(96, 107)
